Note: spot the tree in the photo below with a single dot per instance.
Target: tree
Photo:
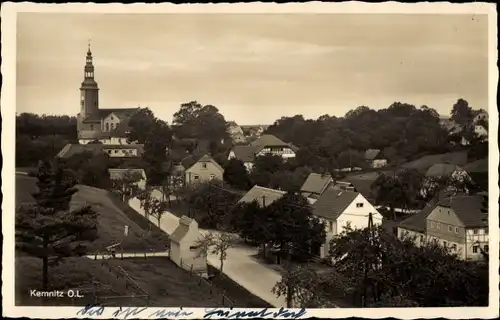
(155, 153)
(157, 208)
(90, 169)
(126, 186)
(386, 270)
(236, 174)
(264, 167)
(461, 113)
(146, 199)
(49, 229)
(246, 220)
(218, 244)
(140, 124)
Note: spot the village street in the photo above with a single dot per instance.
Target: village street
(240, 266)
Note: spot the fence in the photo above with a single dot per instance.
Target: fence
(226, 302)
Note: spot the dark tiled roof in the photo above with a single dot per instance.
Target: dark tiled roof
(442, 170)
(480, 165)
(244, 153)
(372, 154)
(208, 158)
(459, 158)
(316, 183)
(261, 195)
(188, 161)
(363, 186)
(182, 229)
(70, 150)
(468, 209)
(332, 203)
(267, 140)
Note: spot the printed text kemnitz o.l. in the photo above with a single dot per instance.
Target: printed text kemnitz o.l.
(56, 294)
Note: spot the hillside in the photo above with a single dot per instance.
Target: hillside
(113, 217)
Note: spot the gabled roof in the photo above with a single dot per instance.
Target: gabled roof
(244, 153)
(480, 165)
(459, 158)
(372, 154)
(70, 150)
(316, 183)
(267, 140)
(468, 209)
(264, 196)
(207, 158)
(332, 203)
(182, 229)
(442, 170)
(121, 113)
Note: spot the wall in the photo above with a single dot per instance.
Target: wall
(331, 231)
(132, 152)
(108, 141)
(204, 174)
(110, 123)
(189, 255)
(358, 217)
(440, 220)
(480, 239)
(379, 163)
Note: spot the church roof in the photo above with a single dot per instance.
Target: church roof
(121, 113)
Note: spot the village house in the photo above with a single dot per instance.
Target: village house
(375, 159)
(202, 170)
(184, 250)
(235, 132)
(113, 151)
(265, 144)
(339, 208)
(122, 174)
(459, 223)
(481, 115)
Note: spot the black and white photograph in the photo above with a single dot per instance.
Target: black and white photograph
(226, 158)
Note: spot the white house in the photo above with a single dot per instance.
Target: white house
(184, 251)
(244, 154)
(482, 115)
(339, 208)
(459, 223)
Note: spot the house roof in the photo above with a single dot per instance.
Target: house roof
(267, 140)
(121, 113)
(316, 183)
(459, 158)
(468, 209)
(262, 195)
(480, 165)
(182, 229)
(116, 174)
(417, 221)
(372, 154)
(244, 153)
(207, 158)
(332, 203)
(293, 147)
(442, 170)
(70, 150)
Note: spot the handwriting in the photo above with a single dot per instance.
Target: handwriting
(228, 314)
(129, 311)
(162, 313)
(91, 310)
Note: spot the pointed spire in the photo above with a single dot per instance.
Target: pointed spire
(89, 52)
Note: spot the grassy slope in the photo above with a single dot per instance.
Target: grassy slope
(111, 221)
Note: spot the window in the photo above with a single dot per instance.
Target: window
(438, 225)
(196, 177)
(450, 228)
(92, 127)
(204, 165)
(454, 247)
(486, 231)
(111, 117)
(212, 176)
(456, 230)
(433, 224)
(112, 126)
(107, 126)
(486, 248)
(193, 247)
(474, 249)
(476, 231)
(421, 239)
(359, 205)
(331, 226)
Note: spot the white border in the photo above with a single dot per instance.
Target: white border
(8, 107)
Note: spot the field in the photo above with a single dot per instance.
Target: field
(157, 277)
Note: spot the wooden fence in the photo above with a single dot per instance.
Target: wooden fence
(226, 302)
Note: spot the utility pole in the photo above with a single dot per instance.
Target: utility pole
(366, 264)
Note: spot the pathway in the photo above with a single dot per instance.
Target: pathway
(239, 266)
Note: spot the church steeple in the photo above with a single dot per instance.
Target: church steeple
(89, 90)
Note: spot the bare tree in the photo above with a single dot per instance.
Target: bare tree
(216, 243)
(126, 187)
(157, 208)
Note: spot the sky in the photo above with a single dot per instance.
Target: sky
(255, 68)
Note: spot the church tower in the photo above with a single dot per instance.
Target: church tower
(89, 91)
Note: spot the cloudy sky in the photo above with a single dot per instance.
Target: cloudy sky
(255, 68)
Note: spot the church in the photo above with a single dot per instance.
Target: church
(108, 126)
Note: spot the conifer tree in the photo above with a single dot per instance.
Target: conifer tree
(49, 229)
